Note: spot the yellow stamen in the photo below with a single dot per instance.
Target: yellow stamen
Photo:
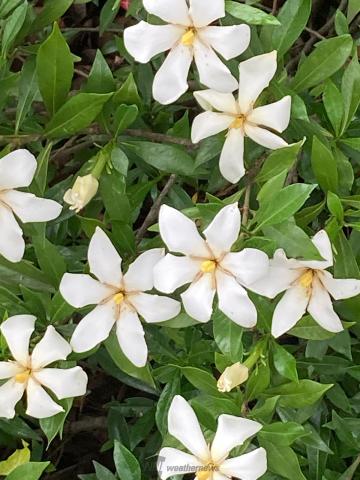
(306, 279)
(238, 122)
(207, 472)
(208, 266)
(119, 298)
(22, 377)
(188, 38)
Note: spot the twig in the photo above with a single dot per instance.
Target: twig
(91, 29)
(246, 206)
(274, 7)
(87, 424)
(160, 137)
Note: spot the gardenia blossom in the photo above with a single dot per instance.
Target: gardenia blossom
(82, 192)
(188, 36)
(308, 287)
(17, 169)
(29, 373)
(209, 265)
(119, 299)
(240, 118)
(210, 462)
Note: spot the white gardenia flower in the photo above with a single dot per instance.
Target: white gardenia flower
(30, 373)
(210, 462)
(240, 118)
(82, 192)
(308, 287)
(209, 265)
(119, 299)
(188, 36)
(17, 169)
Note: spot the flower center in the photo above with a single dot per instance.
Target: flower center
(238, 122)
(206, 472)
(119, 298)
(306, 279)
(208, 266)
(188, 38)
(23, 376)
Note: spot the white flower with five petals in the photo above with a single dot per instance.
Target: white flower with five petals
(187, 35)
(240, 118)
(17, 169)
(30, 373)
(119, 299)
(308, 287)
(209, 265)
(210, 462)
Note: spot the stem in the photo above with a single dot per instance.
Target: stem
(100, 164)
(246, 207)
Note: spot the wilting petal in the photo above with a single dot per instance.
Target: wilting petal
(143, 41)
(338, 288)
(255, 75)
(321, 308)
(247, 266)
(289, 310)
(234, 301)
(104, 260)
(213, 100)
(180, 234)
(39, 402)
(173, 272)
(228, 41)
(199, 297)
(131, 337)
(209, 123)
(80, 290)
(94, 327)
(154, 308)
(250, 466)
(232, 156)
(30, 208)
(228, 222)
(275, 116)
(172, 457)
(264, 137)
(322, 242)
(204, 12)
(17, 331)
(170, 81)
(51, 348)
(65, 383)
(12, 245)
(140, 274)
(231, 432)
(212, 72)
(17, 169)
(10, 394)
(9, 369)
(178, 13)
(184, 426)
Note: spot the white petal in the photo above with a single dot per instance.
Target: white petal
(10, 394)
(228, 222)
(250, 466)
(140, 274)
(143, 41)
(255, 75)
(275, 116)
(247, 266)
(12, 245)
(178, 13)
(232, 156)
(322, 243)
(209, 123)
(17, 331)
(17, 169)
(131, 337)
(204, 12)
(65, 383)
(154, 308)
(171, 457)
(228, 41)
(9, 369)
(39, 402)
(80, 290)
(94, 328)
(199, 297)
(264, 137)
(219, 476)
(213, 100)
(180, 234)
(174, 272)
(231, 432)
(321, 308)
(51, 348)
(170, 81)
(234, 301)
(30, 208)
(184, 426)
(338, 288)
(212, 71)
(289, 310)
(104, 260)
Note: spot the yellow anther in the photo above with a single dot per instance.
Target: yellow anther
(22, 377)
(188, 38)
(119, 298)
(208, 266)
(206, 473)
(306, 279)
(237, 123)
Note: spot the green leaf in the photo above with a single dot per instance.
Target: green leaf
(40, 179)
(28, 89)
(350, 90)
(346, 265)
(249, 14)
(128, 93)
(28, 471)
(107, 15)
(282, 461)
(164, 402)
(353, 10)
(298, 395)
(307, 328)
(12, 27)
(103, 473)
(259, 380)
(124, 116)
(127, 466)
(334, 105)
(284, 362)
(278, 161)
(335, 207)
(50, 260)
(55, 68)
(324, 166)
(55, 425)
(100, 79)
(201, 379)
(283, 434)
(50, 13)
(228, 336)
(19, 457)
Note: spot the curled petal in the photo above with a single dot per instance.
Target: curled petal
(173, 272)
(140, 274)
(321, 308)
(230, 42)
(289, 310)
(17, 331)
(39, 402)
(199, 297)
(80, 290)
(275, 116)
(338, 288)
(250, 466)
(213, 100)
(322, 242)
(208, 124)
(17, 169)
(247, 266)
(30, 208)
(172, 457)
(12, 245)
(154, 308)
(51, 348)
(264, 137)
(65, 383)
(9, 369)
(10, 394)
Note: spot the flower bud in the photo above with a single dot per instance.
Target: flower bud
(232, 377)
(82, 192)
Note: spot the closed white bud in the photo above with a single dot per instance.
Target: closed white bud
(82, 192)
(232, 377)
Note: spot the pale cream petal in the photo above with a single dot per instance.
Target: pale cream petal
(9, 369)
